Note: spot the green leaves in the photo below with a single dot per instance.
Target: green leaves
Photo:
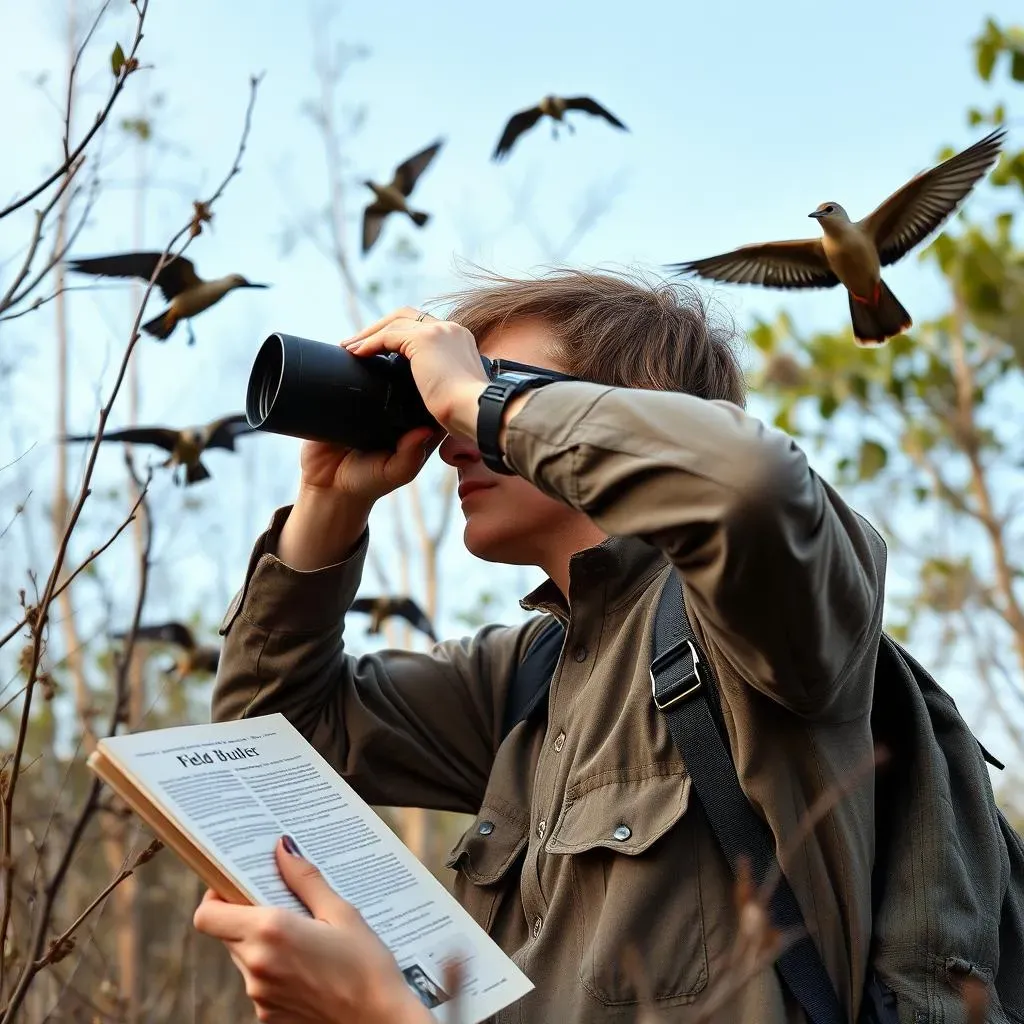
(872, 460)
(117, 60)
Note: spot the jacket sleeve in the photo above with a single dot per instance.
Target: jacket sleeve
(786, 581)
(404, 728)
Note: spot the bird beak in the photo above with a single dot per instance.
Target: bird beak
(816, 215)
(255, 285)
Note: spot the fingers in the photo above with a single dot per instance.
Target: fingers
(411, 453)
(309, 885)
(228, 922)
(393, 337)
(406, 312)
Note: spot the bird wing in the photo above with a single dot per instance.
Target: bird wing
(409, 610)
(373, 221)
(177, 274)
(593, 107)
(162, 437)
(914, 211)
(222, 433)
(799, 263)
(407, 173)
(167, 632)
(516, 126)
(363, 604)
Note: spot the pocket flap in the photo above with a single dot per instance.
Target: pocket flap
(625, 811)
(490, 846)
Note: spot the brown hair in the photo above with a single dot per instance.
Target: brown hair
(615, 328)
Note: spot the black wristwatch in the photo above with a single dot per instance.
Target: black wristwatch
(498, 393)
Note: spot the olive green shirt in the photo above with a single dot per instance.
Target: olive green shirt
(586, 838)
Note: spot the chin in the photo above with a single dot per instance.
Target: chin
(496, 541)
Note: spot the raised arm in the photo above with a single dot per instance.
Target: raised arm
(403, 727)
(786, 580)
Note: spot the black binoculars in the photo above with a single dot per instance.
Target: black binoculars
(321, 392)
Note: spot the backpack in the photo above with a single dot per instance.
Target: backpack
(935, 783)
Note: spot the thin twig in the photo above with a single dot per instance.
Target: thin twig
(72, 156)
(43, 607)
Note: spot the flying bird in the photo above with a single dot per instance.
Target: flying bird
(852, 253)
(391, 198)
(187, 293)
(192, 657)
(555, 108)
(381, 608)
(186, 446)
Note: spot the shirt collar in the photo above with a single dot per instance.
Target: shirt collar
(612, 569)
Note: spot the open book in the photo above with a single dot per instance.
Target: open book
(221, 795)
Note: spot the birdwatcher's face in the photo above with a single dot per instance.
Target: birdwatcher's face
(507, 519)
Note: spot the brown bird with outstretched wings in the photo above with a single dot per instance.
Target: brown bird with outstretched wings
(186, 292)
(186, 446)
(192, 657)
(381, 608)
(391, 198)
(852, 253)
(554, 107)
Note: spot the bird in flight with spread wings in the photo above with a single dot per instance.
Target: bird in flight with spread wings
(381, 608)
(187, 293)
(186, 446)
(192, 657)
(852, 253)
(554, 107)
(391, 198)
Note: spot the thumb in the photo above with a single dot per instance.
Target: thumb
(410, 454)
(305, 880)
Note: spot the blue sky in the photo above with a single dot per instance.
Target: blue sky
(743, 117)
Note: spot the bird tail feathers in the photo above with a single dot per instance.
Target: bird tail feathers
(196, 472)
(875, 324)
(160, 327)
(418, 218)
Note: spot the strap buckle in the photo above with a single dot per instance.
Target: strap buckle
(683, 687)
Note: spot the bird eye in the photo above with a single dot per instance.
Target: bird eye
(830, 208)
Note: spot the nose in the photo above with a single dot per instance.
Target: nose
(457, 451)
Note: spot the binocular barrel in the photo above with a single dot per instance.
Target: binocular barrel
(320, 392)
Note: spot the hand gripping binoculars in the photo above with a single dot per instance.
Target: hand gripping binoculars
(321, 392)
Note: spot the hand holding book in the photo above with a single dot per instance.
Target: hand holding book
(304, 971)
(352, 929)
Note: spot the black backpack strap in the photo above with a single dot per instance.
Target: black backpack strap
(685, 691)
(532, 678)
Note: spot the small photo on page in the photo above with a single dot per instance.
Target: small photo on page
(429, 991)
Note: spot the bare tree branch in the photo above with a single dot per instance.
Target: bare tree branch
(72, 155)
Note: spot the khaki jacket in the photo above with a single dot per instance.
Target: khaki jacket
(784, 586)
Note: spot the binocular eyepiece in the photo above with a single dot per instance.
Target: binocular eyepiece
(320, 392)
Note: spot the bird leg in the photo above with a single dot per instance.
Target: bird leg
(191, 333)
(570, 128)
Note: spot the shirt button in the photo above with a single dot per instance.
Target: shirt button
(559, 741)
(622, 833)
(542, 826)
(486, 828)
(580, 654)
(536, 926)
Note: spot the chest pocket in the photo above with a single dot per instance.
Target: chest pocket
(484, 858)
(633, 841)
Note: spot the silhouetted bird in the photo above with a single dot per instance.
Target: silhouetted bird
(381, 608)
(191, 657)
(555, 108)
(185, 445)
(852, 253)
(187, 293)
(391, 197)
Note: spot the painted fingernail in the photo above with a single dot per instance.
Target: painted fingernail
(290, 846)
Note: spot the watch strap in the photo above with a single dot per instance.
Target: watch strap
(492, 402)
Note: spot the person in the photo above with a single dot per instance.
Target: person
(586, 841)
